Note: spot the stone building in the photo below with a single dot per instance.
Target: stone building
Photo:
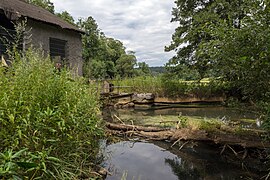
(56, 37)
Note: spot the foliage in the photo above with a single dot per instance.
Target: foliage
(67, 17)
(104, 57)
(90, 39)
(143, 69)
(162, 86)
(211, 30)
(13, 40)
(96, 68)
(182, 121)
(184, 72)
(248, 63)
(125, 65)
(48, 119)
(46, 4)
(155, 71)
(229, 38)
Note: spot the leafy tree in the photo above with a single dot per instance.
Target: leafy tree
(67, 17)
(110, 51)
(97, 69)
(105, 51)
(229, 37)
(90, 39)
(115, 49)
(125, 65)
(110, 69)
(46, 4)
(193, 17)
(143, 68)
(240, 50)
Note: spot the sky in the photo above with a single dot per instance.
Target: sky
(142, 25)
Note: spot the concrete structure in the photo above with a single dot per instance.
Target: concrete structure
(59, 39)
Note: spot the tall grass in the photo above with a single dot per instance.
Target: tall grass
(163, 86)
(49, 127)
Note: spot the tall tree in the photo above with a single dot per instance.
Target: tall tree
(231, 37)
(242, 52)
(96, 46)
(90, 39)
(193, 17)
(125, 65)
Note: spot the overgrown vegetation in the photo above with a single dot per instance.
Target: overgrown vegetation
(48, 120)
(163, 86)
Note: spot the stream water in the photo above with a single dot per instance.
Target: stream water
(147, 160)
(142, 116)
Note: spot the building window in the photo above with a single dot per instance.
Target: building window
(58, 48)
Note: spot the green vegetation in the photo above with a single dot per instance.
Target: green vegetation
(192, 122)
(104, 57)
(164, 87)
(225, 39)
(48, 119)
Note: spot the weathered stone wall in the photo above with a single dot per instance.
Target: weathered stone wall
(42, 32)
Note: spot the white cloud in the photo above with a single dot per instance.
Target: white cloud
(142, 25)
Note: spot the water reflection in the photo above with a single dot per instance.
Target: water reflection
(139, 161)
(156, 160)
(182, 169)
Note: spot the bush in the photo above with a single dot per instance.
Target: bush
(48, 120)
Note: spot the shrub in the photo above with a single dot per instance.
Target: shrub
(50, 115)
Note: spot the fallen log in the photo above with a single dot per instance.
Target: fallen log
(125, 127)
(218, 137)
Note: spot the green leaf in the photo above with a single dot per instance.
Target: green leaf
(53, 159)
(17, 154)
(16, 177)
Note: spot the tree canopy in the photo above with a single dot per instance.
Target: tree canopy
(104, 57)
(229, 37)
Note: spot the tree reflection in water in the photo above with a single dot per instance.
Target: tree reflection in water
(182, 169)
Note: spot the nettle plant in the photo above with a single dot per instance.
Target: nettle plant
(49, 126)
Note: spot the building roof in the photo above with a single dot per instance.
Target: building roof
(15, 9)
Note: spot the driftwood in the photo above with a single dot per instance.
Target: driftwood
(124, 127)
(173, 135)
